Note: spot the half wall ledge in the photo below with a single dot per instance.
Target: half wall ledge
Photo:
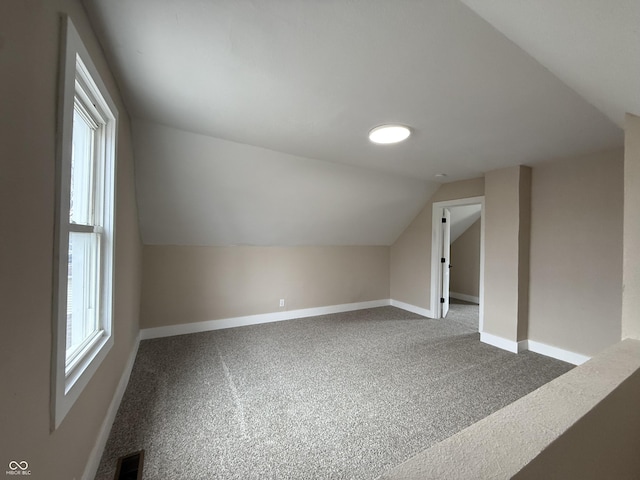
(584, 424)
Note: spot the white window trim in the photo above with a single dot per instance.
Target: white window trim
(67, 387)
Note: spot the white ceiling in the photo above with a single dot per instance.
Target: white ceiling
(591, 45)
(307, 80)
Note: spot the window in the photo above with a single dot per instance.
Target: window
(85, 209)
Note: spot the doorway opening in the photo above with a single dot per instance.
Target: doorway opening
(459, 286)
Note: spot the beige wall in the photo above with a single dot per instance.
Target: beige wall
(29, 48)
(602, 444)
(576, 252)
(184, 284)
(524, 250)
(506, 227)
(631, 268)
(465, 258)
(410, 259)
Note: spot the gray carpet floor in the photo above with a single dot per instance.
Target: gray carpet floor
(344, 396)
(464, 312)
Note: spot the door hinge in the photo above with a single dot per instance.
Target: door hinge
(442, 260)
(444, 220)
(441, 300)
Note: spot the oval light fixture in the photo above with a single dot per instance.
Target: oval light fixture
(385, 134)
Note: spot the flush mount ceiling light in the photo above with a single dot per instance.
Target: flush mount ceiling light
(385, 134)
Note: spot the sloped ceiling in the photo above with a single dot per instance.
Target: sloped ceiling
(591, 45)
(200, 190)
(304, 82)
(462, 218)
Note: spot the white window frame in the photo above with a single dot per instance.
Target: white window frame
(79, 78)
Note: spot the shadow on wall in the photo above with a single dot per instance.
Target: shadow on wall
(602, 444)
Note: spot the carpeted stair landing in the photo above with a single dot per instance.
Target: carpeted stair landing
(344, 396)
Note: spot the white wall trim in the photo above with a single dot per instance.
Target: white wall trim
(523, 346)
(412, 308)
(533, 346)
(503, 343)
(148, 333)
(557, 353)
(464, 296)
(96, 453)
(436, 247)
(76, 64)
(208, 325)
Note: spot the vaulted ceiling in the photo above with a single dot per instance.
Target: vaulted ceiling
(591, 45)
(251, 116)
(462, 217)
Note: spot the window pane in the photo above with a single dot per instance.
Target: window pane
(81, 204)
(82, 290)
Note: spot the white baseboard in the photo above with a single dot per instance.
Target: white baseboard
(503, 343)
(96, 453)
(500, 342)
(465, 297)
(412, 308)
(533, 346)
(557, 353)
(208, 325)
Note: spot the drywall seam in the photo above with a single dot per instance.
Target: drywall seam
(96, 453)
(465, 297)
(208, 325)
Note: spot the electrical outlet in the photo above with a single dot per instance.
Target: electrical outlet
(282, 302)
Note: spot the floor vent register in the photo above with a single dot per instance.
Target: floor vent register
(130, 466)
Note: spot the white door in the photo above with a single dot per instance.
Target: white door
(444, 261)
